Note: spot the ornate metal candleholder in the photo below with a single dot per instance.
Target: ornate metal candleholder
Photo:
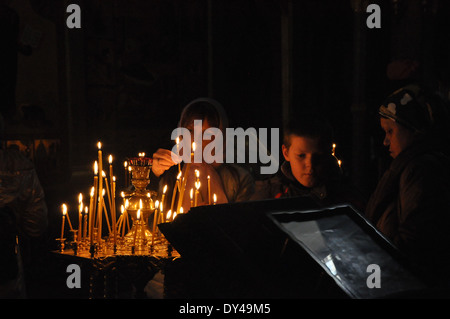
(139, 204)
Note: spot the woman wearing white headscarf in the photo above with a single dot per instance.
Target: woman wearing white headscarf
(230, 182)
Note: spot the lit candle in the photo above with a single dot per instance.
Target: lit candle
(100, 191)
(175, 188)
(91, 215)
(333, 149)
(155, 214)
(113, 209)
(62, 225)
(107, 188)
(106, 213)
(191, 194)
(339, 163)
(125, 165)
(185, 178)
(64, 208)
(164, 193)
(209, 190)
(215, 199)
(169, 214)
(178, 154)
(135, 230)
(80, 215)
(122, 208)
(197, 187)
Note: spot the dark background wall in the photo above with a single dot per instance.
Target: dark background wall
(124, 77)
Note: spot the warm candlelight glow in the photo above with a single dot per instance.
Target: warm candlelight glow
(64, 209)
(125, 164)
(138, 214)
(164, 189)
(193, 146)
(127, 203)
(169, 213)
(191, 193)
(142, 154)
(214, 199)
(197, 173)
(339, 163)
(80, 198)
(110, 159)
(95, 168)
(99, 145)
(156, 204)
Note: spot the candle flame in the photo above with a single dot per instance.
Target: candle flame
(215, 198)
(127, 203)
(125, 164)
(197, 173)
(169, 213)
(64, 209)
(193, 146)
(197, 185)
(339, 163)
(138, 214)
(114, 178)
(174, 215)
(92, 191)
(191, 192)
(208, 177)
(164, 189)
(80, 208)
(99, 145)
(161, 206)
(179, 175)
(103, 174)
(122, 194)
(95, 168)
(80, 198)
(129, 168)
(110, 159)
(86, 210)
(103, 192)
(148, 195)
(141, 154)
(157, 204)
(181, 211)
(122, 209)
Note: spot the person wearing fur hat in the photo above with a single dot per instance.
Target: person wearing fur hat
(410, 204)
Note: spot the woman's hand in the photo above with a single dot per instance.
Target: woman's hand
(163, 160)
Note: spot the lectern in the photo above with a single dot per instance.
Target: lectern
(285, 248)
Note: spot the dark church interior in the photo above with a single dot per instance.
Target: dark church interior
(122, 71)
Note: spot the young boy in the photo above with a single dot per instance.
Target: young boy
(309, 169)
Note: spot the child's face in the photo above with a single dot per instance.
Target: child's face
(301, 154)
(397, 137)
